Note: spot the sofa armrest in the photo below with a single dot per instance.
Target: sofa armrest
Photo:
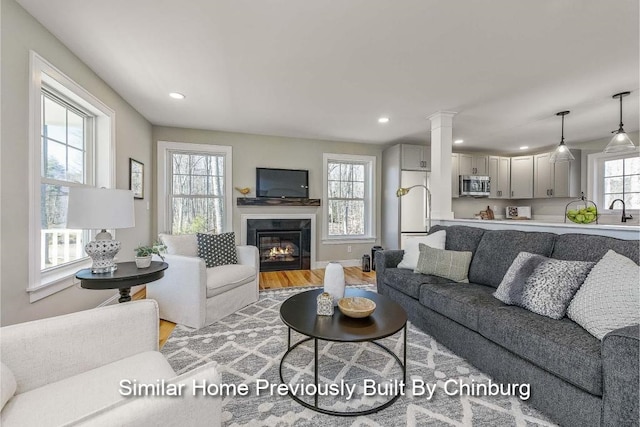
(620, 376)
(48, 350)
(248, 255)
(388, 259)
(176, 411)
(182, 292)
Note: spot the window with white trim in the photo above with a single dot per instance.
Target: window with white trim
(615, 176)
(196, 181)
(71, 144)
(349, 192)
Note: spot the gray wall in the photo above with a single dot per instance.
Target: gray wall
(251, 151)
(19, 33)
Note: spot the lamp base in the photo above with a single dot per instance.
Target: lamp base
(102, 253)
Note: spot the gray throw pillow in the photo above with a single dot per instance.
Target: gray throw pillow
(542, 285)
(452, 265)
(217, 249)
(610, 296)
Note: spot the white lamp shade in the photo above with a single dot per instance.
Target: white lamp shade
(561, 154)
(620, 143)
(100, 208)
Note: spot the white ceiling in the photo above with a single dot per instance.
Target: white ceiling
(329, 69)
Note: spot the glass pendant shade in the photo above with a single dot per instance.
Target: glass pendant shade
(561, 153)
(620, 141)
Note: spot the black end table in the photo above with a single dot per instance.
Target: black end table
(126, 276)
(299, 313)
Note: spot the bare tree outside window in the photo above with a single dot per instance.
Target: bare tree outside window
(346, 198)
(196, 193)
(622, 181)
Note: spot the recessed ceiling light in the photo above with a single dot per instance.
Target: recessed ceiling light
(383, 120)
(176, 95)
(458, 141)
(524, 147)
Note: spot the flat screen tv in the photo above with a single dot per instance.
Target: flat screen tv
(282, 183)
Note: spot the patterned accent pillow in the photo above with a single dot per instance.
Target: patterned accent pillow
(542, 285)
(610, 296)
(452, 265)
(217, 249)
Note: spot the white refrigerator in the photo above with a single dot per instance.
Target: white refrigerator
(413, 211)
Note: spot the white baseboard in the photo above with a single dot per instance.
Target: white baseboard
(343, 262)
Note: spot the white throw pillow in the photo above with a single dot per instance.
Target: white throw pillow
(180, 244)
(8, 384)
(412, 250)
(609, 298)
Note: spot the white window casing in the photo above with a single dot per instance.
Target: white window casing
(596, 178)
(369, 234)
(165, 150)
(99, 166)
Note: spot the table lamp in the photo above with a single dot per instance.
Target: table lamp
(101, 209)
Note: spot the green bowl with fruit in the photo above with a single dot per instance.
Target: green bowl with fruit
(583, 216)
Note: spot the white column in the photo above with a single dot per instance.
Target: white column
(440, 176)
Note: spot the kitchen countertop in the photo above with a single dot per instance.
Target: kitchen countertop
(627, 232)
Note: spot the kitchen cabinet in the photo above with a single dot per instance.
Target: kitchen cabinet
(469, 164)
(455, 176)
(560, 179)
(522, 177)
(500, 174)
(415, 157)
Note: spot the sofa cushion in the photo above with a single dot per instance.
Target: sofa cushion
(217, 249)
(7, 384)
(408, 282)
(180, 244)
(452, 265)
(224, 277)
(412, 245)
(542, 285)
(587, 247)
(63, 401)
(610, 297)
(497, 250)
(560, 347)
(460, 302)
(460, 237)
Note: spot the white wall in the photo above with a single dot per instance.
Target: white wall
(20, 32)
(251, 151)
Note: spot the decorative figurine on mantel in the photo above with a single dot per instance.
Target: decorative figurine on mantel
(244, 191)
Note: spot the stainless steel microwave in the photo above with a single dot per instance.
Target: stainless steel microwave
(475, 185)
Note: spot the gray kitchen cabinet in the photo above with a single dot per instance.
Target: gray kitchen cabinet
(470, 164)
(560, 179)
(522, 177)
(415, 157)
(500, 174)
(455, 176)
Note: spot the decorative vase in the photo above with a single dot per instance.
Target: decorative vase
(325, 304)
(334, 281)
(143, 261)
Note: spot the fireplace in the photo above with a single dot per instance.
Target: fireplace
(283, 244)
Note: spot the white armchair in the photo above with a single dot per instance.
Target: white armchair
(67, 370)
(191, 294)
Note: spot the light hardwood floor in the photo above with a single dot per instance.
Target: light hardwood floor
(282, 279)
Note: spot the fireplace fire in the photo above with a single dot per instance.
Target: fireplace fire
(283, 244)
(281, 253)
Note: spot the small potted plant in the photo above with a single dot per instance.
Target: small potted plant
(144, 253)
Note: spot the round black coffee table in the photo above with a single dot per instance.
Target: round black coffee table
(299, 313)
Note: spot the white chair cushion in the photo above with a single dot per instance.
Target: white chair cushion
(63, 401)
(8, 386)
(180, 244)
(224, 277)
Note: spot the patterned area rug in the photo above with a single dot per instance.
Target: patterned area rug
(249, 344)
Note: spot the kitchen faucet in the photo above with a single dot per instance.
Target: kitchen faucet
(624, 215)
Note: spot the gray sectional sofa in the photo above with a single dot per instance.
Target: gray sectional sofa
(575, 379)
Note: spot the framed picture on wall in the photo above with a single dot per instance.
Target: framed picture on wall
(136, 178)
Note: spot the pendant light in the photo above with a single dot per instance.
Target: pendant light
(620, 141)
(562, 153)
